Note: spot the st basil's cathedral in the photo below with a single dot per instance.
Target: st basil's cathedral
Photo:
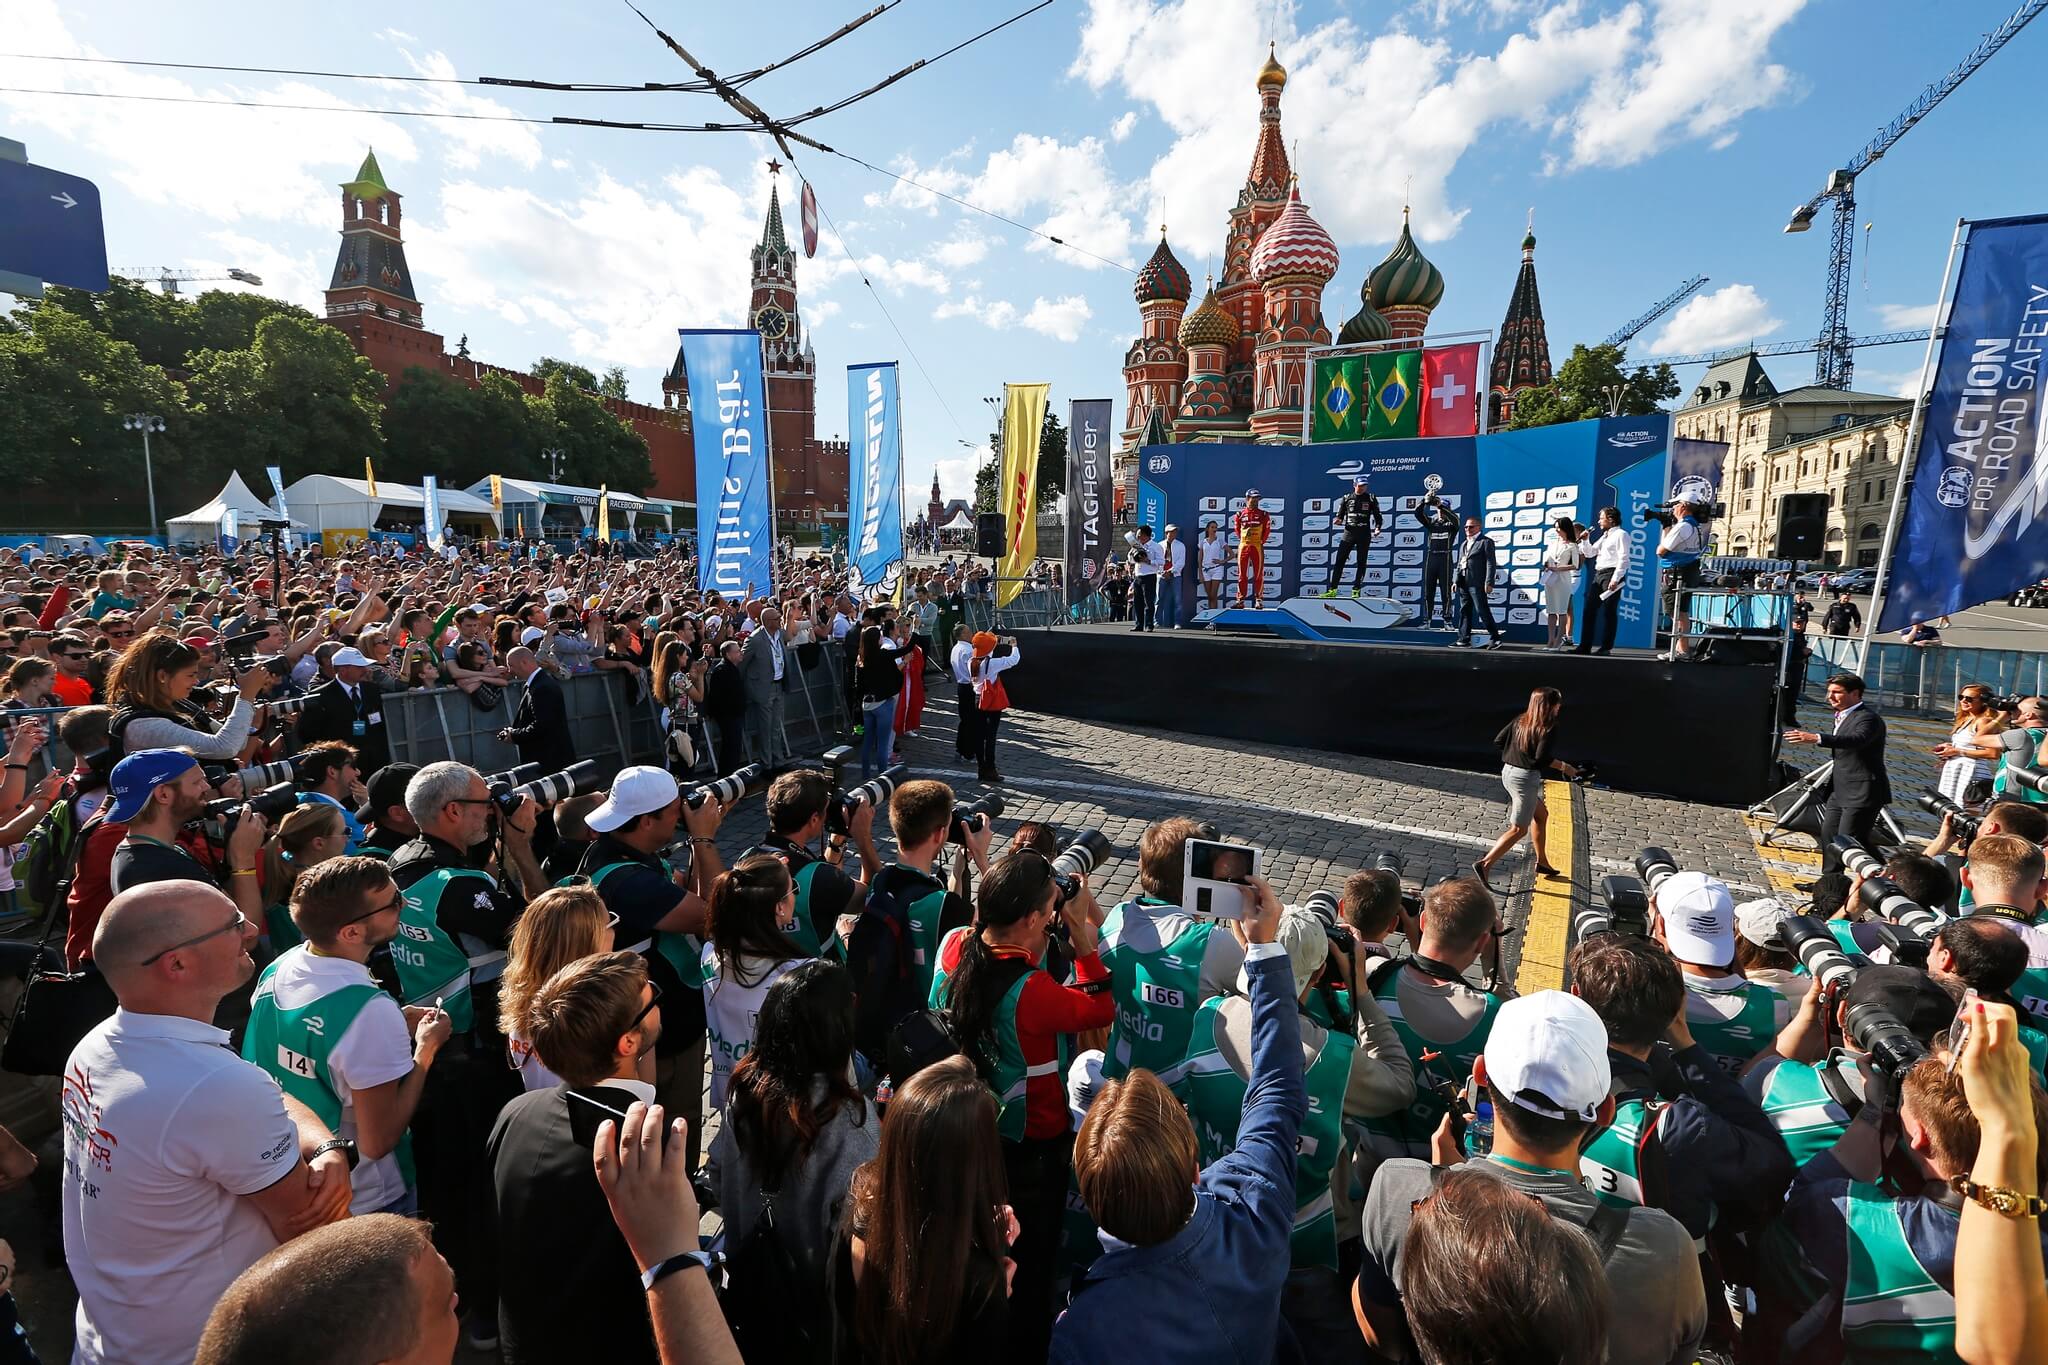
(1233, 369)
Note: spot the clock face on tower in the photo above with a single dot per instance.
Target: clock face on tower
(771, 322)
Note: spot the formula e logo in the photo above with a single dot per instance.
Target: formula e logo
(1159, 464)
(1347, 469)
(1628, 440)
(1954, 489)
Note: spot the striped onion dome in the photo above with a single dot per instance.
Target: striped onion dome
(1367, 324)
(1163, 277)
(1209, 325)
(1295, 244)
(1406, 279)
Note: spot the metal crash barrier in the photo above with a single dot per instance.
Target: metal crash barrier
(429, 725)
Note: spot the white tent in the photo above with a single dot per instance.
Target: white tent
(344, 507)
(960, 522)
(203, 525)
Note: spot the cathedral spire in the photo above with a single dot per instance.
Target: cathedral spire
(1521, 358)
(772, 238)
(1269, 174)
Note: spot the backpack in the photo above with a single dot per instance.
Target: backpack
(52, 850)
(878, 956)
(771, 1305)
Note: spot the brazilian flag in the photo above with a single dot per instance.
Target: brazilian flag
(1339, 399)
(1393, 404)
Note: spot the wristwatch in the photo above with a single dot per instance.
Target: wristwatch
(345, 1146)
(2000, 1200)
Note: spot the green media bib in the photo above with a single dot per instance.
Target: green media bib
(923, 915)
(1892, 1309)
(2003, 788)
(1807, 1117)
(1732, 1040)
(1156, 990)
(805, 932)
(1214, 1094)
(1406, 1133)
(293, 1045)
(1611, 1164)
(431, 964)
(283, 932)
(681, 951)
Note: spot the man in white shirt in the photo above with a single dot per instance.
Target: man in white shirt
(842, 620)
(1146, 561)
(183, 1164)
(967, 742)
(335, 1040)
(1173, 563)
(1610, 575)
(1215, 561)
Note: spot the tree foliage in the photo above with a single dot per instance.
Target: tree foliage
(1580, 389)
(65, 389)
(299, 397)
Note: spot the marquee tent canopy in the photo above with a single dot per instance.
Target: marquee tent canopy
(204, 525)
(328, 502)
(960, 522)
(575, 499)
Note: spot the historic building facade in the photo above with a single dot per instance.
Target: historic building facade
(1805, 440)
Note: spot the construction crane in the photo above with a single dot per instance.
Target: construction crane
(1628, 329)
(1782, 348)
(168, 279)
(1836, 361)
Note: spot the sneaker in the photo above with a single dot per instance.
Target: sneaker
(1667, 656)
(1333, 592)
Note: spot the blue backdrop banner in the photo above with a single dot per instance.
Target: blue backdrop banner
(874, 504)
(1974, 516)
(729, 411)
(430, 510)
(1516, 482)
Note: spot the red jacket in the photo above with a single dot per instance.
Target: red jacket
(1045, 1010)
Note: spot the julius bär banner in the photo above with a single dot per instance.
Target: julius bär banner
(729, 414)
(874, 523)
(1088, 495)
(1974, 525)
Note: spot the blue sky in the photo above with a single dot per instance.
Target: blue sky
(1653, 140)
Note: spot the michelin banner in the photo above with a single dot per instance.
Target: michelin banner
(430, 511)
(1974, 526)
(735, 517)
(1088, 495)
(1517, 483)
(874, 506)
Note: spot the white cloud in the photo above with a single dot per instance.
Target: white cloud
(1903, 317)
(1066, 190)
(1121, 129)
(960, 252)
(1726, 317)
(1059, 318)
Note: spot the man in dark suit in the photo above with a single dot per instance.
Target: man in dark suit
(568, 1286)
(350, 709)
(1859, 788)
(540, 727)
(1474, 579)
(725, 706)
(766, 663)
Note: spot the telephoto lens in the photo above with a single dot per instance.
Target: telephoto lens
(287, 707)
(1809, 940)
(272, 803)
(1390, 862)
(1624, 909)
(1326, 907)
(258, 776)
(2033, 779)
(730, 788)
(546, 791)
(1961, 822)
(875, 792)
(512, 777)
(1653, 865)
(1877, 1031)
(974, 815)
(1077, 859)
(1881, 895)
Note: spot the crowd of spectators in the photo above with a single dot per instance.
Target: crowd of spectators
(405, 1063)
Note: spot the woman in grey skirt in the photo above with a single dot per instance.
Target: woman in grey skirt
(1524, 761)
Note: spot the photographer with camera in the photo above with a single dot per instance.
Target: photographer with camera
(1679, 551)
(150, 688)
(800, 804)
(2005, 878)
(330, 773)
(1545, 1078)
(1693, 917)
(1375, 906)
(2019, 746)
(1349, 1076)
(1163, 961)
(156, 793)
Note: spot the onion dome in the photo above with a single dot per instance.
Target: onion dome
(1367, 324)
(1209, 325)
(1295, 244)
(1406, 279)
(1162, 277)
(1272, 73)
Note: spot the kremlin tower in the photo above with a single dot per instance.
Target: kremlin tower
(1521, 356)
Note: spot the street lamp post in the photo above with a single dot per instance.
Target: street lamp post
(554, 458)
(146, 422)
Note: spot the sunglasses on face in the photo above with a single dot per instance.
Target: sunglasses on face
(231, 926)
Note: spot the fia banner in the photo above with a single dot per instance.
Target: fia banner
(1976, 523)
(735, 518)
(1017, 485)
(1088, 495)
(430, 511)
(874, 515)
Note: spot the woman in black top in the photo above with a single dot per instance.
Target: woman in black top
(1524, 759)
(877, 678)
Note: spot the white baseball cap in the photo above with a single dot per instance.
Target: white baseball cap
(532, 635)
(1699, 919)
(1307, 945)
(1547, 1053)
(350, 658)
(635, 791)
(1760, 920)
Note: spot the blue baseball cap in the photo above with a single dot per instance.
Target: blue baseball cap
(141, 773)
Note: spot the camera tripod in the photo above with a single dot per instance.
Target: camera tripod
(1796, 807)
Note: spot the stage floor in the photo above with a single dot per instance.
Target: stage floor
(1700, 732)
(1412, 637)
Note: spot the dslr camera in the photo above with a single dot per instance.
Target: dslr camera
(730, 788)
(546, 791)
(1960, 821)
(874, 792)
(973, 816)
(1914, 923)
(272, 803)
(1077, 860)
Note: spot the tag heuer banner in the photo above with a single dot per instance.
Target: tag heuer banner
(1017, 485)
(735, 527)
(1384, 395)
(1088, 495)
(1974, 526)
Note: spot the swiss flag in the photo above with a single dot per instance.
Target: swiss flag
(1450, 390)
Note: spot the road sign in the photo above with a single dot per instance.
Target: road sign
(50, 228)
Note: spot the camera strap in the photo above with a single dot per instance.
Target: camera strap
(1429, 966)
(2010, 913)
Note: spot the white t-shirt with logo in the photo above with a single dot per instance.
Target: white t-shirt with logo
(165, 1129)
(730, 1011)
(376, 1049)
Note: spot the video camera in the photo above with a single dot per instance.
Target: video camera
(973, 815)
(1884, 898)
(730, 788)
(573, 780)
(1960, 821)
(1663, 513)
(272, 803)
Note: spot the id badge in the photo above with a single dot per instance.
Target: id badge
(360, 729)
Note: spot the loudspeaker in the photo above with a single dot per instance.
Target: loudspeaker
(1720, 646)
(991, 535)
(1802, 525)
